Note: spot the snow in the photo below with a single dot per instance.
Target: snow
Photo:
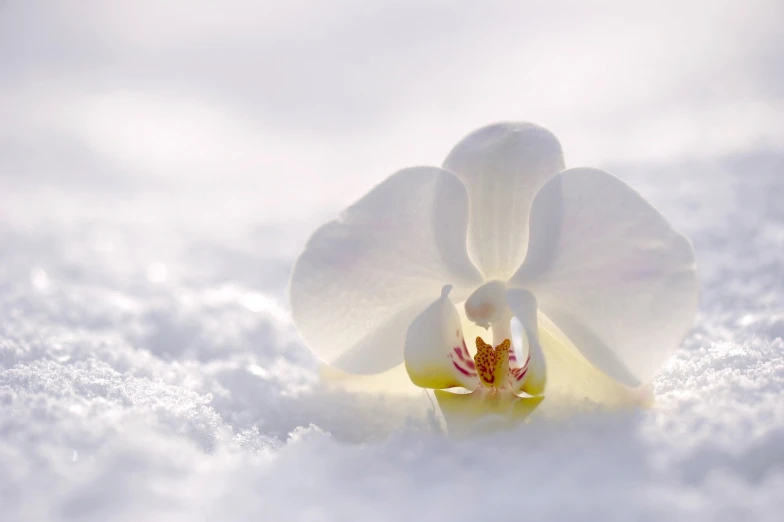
(149, 216)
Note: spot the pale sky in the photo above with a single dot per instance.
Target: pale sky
(309, 104)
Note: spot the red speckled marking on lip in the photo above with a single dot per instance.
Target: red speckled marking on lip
(463, 370)
(462, 360)
(519, 373)
(468, 359)
(465, 358)
(460, 366)
(485, 361)
(492, 363)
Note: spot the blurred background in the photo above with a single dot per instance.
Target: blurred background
(258, 120)
(295, 108)
(162, 163)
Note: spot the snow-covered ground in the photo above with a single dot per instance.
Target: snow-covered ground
(159, 172)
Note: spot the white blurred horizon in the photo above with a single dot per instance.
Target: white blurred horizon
(309, 104)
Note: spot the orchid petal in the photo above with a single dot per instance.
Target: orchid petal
(610, 272)
(531, 376)
(436, 355)
(365, 276)
(572, 381)
(503, 166)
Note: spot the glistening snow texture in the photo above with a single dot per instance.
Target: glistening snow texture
(146, 373)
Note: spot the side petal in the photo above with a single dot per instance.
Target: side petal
(365, 276)
(436, 355)
(610, 272)
(573, 382)
(503, 166)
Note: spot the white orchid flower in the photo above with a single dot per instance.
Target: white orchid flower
(604, 288)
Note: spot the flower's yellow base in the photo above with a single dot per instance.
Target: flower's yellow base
(484, 410)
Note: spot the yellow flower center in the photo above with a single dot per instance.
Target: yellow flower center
(492, 364)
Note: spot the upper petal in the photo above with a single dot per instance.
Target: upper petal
(610, 272)
(503, 166)
(363, 277)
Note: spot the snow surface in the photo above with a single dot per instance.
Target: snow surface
(150, 216)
